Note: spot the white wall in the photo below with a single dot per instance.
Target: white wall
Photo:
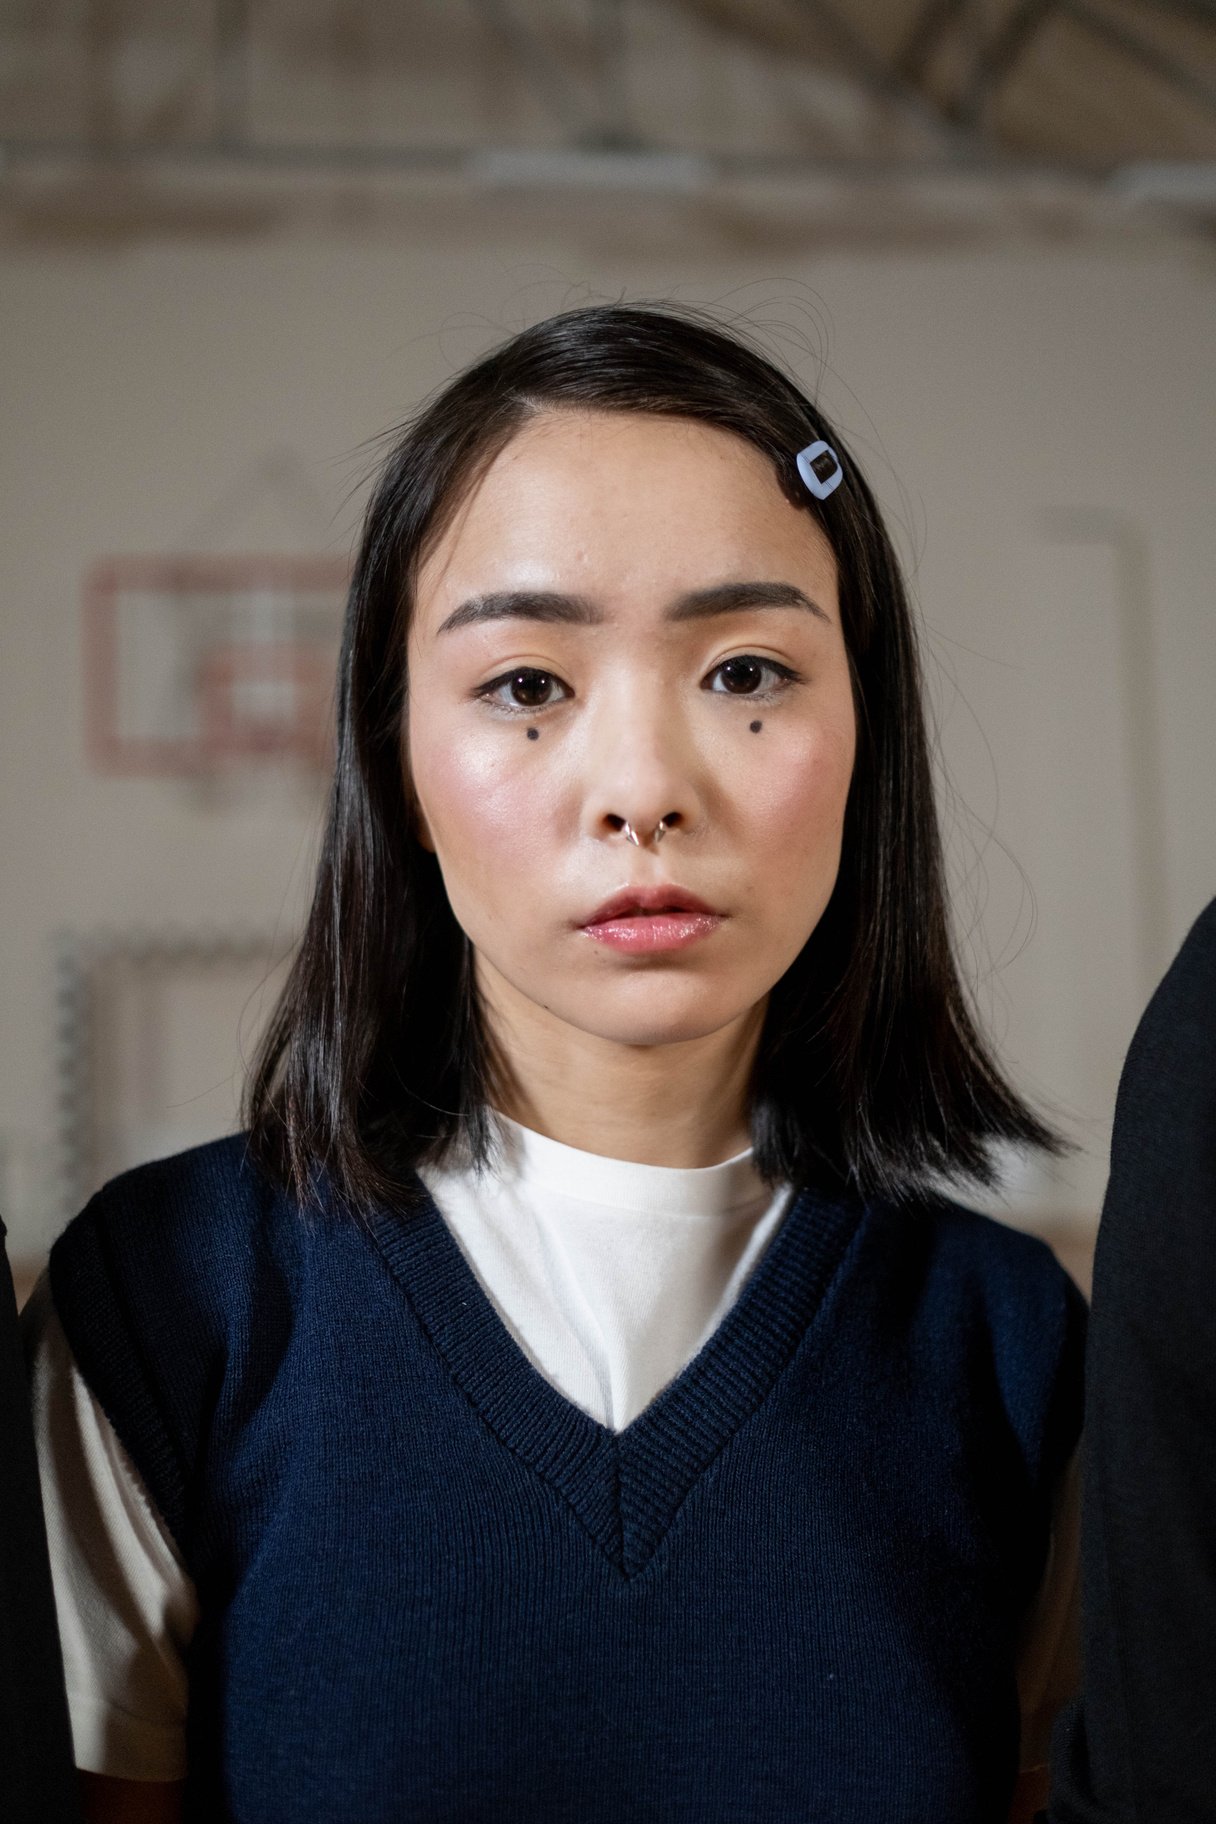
(1031, 418)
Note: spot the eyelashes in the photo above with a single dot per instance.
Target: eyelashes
(537, 685)
(531, 679)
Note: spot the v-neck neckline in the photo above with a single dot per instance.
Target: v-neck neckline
(625, 1486)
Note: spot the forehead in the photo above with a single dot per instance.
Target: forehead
(610, 501)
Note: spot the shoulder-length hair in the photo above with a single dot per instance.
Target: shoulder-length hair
(871, 1073)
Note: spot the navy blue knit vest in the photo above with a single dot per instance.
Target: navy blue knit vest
(433, 1590)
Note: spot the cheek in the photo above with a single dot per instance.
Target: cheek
(796, 805)
(481, 800)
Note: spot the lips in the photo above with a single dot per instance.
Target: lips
(643, 902)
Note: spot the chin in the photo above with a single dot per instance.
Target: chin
(664, 1019)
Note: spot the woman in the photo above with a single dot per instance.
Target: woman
(571, 1400)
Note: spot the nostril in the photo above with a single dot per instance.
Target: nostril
(633, 833)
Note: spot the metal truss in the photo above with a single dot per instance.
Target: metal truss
(948, 118)
(994, 51)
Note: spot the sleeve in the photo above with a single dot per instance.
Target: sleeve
(126, 1607)
(1049, 1650)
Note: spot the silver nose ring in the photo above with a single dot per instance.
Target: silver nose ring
(660, 830)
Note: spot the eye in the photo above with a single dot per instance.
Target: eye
(744, 676)
(523, 691)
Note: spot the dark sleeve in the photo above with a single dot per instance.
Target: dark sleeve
(1139, 1746)
(37, 1778)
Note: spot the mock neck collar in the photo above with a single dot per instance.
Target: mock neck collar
(527, 1159)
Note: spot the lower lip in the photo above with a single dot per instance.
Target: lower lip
(663, 931)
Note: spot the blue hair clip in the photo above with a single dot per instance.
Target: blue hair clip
(819, 466)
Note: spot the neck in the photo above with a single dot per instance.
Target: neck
(682, 1104)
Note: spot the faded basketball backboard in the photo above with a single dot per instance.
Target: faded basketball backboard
(197, 664)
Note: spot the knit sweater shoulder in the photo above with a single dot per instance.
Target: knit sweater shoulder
(432, 1588)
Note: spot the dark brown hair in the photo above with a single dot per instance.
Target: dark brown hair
(871, 1073)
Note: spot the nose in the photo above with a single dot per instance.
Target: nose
(643, 777)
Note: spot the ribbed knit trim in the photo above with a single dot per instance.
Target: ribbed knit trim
(653, 1191)
(624, 1487)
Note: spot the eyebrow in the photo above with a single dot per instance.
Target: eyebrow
(580, 611)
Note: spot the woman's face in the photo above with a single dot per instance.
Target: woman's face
(626, 620)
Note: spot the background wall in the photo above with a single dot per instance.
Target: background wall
(1037, 422)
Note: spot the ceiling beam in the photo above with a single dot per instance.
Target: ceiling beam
(545, 72)
(612, 66)
(45, 157)
(937, 18)
(101, 34)
(995, 61)
(231, 69)
(1143, 51)
(885, 81)
(1202, 10)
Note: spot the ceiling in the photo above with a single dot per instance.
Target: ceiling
(893, 116)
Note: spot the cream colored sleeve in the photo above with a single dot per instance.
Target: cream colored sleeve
(1049, 1655)
(126, 1607)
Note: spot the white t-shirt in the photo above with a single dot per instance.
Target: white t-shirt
(610, 1276)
